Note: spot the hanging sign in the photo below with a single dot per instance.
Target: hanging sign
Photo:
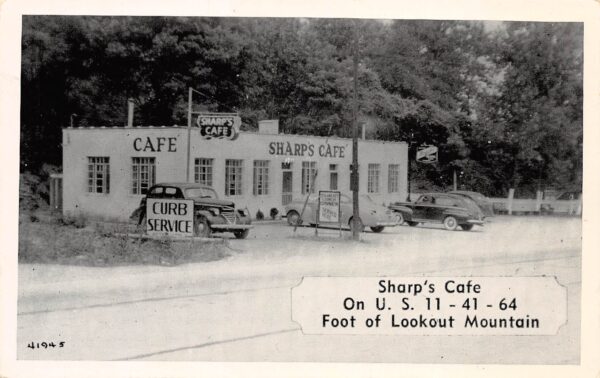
(219, 125)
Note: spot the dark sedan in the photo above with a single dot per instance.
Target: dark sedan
(451, 210)
(482, 201)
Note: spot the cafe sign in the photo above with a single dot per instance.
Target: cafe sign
(219, 125)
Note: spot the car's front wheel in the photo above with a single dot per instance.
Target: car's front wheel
(399, 217)
(201, 228)
(293, 218)
(242, 234)
(377, 229)
(450, 223)
(466, 227)
(412, 224)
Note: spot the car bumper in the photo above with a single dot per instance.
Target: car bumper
(231, 226)
(387, 224)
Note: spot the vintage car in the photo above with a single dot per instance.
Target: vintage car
(482, 201)
(564, 203)
(449, 209)
(211, 213)
(372, 215)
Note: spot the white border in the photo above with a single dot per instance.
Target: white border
(587, 11)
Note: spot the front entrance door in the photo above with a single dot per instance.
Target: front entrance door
(286, 186)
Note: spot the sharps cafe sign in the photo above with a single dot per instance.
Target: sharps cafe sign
(169, 217)
(219, 125)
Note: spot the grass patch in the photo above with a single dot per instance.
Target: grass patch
(70, 243)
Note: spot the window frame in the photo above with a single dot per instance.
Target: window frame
(373, 176)
(309, 170)
(140, 185)
(204, 171)
(234, 173)
(260, 179)
(95, 174)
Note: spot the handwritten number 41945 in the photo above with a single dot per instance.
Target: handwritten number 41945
(46, 345)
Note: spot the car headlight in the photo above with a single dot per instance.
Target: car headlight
(215, 210)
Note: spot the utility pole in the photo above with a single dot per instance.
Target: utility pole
(189, 135)
(354, 173)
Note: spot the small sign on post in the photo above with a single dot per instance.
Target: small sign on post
(169, 217)
(427, 154)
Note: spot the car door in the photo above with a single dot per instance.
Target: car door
(421, 206)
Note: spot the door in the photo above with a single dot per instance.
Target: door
(286, 185)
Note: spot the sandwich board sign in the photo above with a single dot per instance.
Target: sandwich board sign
(329, 206)
(427, 154)
(169, 217)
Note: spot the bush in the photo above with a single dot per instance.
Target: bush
(274, 213)
(260, 215)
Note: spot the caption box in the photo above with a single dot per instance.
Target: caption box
(430, 305)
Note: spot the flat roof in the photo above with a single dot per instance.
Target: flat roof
(177, 127)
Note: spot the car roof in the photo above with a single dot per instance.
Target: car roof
(183, 185)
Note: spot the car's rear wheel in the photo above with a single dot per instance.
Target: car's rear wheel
(359, 224)
(450, 223)
(293, 218)
(377, 229)
(412, 224)
(201, 228)
(466, 227)
(242, 234)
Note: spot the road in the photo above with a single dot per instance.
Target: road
(238, 309)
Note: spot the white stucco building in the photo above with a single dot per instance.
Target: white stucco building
(107, 170)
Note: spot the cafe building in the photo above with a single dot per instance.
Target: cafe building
(107, 170)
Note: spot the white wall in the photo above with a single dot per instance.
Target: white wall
(118, 145)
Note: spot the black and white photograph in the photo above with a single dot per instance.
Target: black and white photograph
(351, 190)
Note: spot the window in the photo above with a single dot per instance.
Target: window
(233, 177)
(261, 177)
(98, 175)
(393, 174)
(203, 171)
(333, 177)
(144, 175)
(373, 179)
(309, 168)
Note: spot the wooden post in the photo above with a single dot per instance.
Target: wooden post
(509, 206)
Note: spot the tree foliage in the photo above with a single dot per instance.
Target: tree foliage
(503, 103)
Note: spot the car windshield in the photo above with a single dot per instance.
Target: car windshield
(200, 193)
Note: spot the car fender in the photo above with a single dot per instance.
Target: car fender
(407, 212)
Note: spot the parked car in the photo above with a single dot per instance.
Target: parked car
(211, 214)
(565, 203)
(482, 201)
(372, 215)
(449, 209)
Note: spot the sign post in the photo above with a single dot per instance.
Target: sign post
(169, 217)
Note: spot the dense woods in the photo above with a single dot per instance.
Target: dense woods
(503, 101)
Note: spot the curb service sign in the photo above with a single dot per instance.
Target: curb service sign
(169, 217)
(219, 125)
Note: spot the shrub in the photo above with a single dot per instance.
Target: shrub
(274, 213)
(260, 215)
